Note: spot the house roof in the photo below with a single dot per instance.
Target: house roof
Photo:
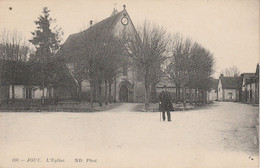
(231, 82)
(30, 73)
(19, 73)
(247, 75)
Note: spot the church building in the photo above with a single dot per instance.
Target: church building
(128, 85)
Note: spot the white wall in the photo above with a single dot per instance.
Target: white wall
(212, 95)
(38, 92)
(227, 96)
(220, 91)
(18, 92)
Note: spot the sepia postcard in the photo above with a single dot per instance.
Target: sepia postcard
(129, 83)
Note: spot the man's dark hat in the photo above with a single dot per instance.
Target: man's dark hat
(164, 86)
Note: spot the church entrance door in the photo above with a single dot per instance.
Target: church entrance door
(123, 94)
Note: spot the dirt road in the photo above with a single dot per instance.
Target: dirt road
(221, 135)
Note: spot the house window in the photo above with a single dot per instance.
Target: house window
(28, 93)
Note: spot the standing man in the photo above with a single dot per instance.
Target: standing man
(165, 103)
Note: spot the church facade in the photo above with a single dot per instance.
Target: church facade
(128, 85)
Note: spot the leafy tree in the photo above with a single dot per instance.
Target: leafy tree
(47, 43)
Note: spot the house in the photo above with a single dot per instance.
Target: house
(22, 82)
(228, 88)
(127, 86)
(19, 82)
(250, 87)
(244, 92)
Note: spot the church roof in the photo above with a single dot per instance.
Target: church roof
(76, 41)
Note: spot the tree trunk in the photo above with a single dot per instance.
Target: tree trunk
(100, 93)
(79, 91)
(43, 98)
(176, 100)
(153, 95)
(196, 96)
(109, 92)
(147, 96)
(115, 92)
(91, 93)
(190, 96)
(95, 91)
(184, 96)
(105, 92)
(204, 96)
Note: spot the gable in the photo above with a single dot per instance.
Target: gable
(124, 31)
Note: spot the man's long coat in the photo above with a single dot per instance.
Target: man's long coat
(166, 102)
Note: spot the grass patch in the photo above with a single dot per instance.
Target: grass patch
(154, 107)
(82, 107)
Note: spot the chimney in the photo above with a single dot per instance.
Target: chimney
(221, 76)
(90, 22)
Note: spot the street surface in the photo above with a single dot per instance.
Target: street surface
(220, 135)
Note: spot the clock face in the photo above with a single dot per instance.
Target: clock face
(124, 21)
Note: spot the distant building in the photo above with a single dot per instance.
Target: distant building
(244, 93)
(250, 87)
(22, 81)
(228, 88)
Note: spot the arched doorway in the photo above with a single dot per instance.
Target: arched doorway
(123, 94)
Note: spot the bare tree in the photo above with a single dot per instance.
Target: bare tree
(80, 72)
(231, 71)
(201, 69)
(179, 66)
(114, 61)
(190, 67)
(147, 49)
(13, 46)
(95, 57)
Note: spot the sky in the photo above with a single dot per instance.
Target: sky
(228, 28)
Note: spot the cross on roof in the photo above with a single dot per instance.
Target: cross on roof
(124, 6)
